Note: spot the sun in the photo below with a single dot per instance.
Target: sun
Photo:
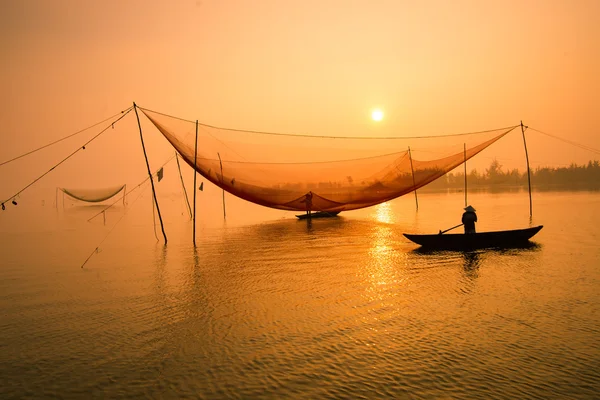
(377, 115)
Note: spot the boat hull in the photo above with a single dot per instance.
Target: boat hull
(476, 240)
(318, 214)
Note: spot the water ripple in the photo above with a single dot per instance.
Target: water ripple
(342, 308)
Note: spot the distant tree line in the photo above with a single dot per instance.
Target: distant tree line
(575, 176)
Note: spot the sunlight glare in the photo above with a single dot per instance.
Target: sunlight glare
(377, 115)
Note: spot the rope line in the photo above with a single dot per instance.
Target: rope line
(125, 213)
(110, 231)
(582, 146)
(509, 128)
(64, 138)
(167, 115)
(66, 158)
(134, 188)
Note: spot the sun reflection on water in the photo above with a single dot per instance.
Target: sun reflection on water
(380, 270)
(384, 213)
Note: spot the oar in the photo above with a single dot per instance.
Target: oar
(454, 227)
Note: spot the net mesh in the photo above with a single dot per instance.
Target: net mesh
(336, 173)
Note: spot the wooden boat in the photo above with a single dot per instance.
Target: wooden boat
(319, 214)
(461, 241)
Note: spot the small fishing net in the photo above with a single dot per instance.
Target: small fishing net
(93, 195)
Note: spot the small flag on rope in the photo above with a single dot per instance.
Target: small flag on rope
(160, 174)
(201, 188)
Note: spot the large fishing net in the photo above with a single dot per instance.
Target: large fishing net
(320, 173)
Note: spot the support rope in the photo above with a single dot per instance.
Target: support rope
(581, 146)
(326, 136)
(109, 232)
(67, 157)
(136, 187)
(64, 138)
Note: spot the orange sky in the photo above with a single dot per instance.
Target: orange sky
(316, 67)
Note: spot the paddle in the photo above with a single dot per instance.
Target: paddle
(450, 229)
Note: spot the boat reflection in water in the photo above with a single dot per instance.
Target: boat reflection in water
(472, 261)
(471, 256)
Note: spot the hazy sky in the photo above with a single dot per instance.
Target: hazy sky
(316, 67)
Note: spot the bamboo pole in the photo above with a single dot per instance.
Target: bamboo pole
(195, 189)
(465, 155)
(413, 176)
(149, 172)
(528, 174)
(187, 202)
(222, 181)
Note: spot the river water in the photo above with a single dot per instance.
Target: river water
(267, 306)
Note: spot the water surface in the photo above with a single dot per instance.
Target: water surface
(270, 307)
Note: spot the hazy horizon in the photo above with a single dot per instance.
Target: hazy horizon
(311, 68)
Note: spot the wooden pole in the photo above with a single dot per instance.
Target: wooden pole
(195, 189)
(528, 175)
(222, 181)
(187, 202)
(149, 172)
(413, 176)
(465, 155)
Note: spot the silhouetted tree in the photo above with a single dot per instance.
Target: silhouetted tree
(586, 176)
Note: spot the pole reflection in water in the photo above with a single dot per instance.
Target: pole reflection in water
(309, 226)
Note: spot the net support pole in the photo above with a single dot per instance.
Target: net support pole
(413, 177)
(528, 174)
(187, 202)
(149, 172)
(195, 189)
(465, 155)
(222, 181)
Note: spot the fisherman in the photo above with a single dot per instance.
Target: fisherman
(308, 201)
(468, 219)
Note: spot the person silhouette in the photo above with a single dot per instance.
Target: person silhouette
(308, 201)
(468, 219)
